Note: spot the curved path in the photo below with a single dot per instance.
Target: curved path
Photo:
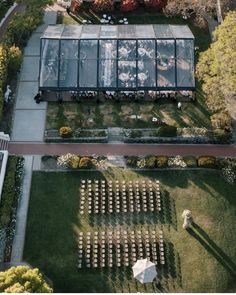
(121, 149)
(19, 8)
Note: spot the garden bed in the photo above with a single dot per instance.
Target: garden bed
(79, 135)
(9, 201)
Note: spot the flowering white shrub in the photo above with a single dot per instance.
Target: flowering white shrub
(192, 132)
(141, 163)
(229, 175)
(176, 162)
(63, 161)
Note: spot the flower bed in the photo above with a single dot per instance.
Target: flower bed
(226, 165)
(165, 134)
(79, 135)
(10, 196)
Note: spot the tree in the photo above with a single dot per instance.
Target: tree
(128, 5)
(22, 279)
(216, 66)
(155, 4)
(191, 8)
(103, 5)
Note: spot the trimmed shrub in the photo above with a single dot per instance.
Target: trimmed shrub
(207, 162)
(132, 161)
(74, 161)
(136, 133)
(9, 196)
(65, 132)
(128, 5)
(221, 120)
(85, 163)
(14, 60)
(222, 135)
(167, 131)
(150, 161)
(103, 5)
(190, 161)
(161, 161)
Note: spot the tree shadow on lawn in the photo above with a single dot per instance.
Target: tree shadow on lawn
(202, 237)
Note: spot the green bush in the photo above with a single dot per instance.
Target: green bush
(9, 191)
(136, 133)
(222, 135)
(150, 161)
(132, 161)
(221, 120)
(190, 161)
(161, 161)
(207, 162)
(167, 131)
(14, 60)
(85, 163)
(3, 75)
(65, 132)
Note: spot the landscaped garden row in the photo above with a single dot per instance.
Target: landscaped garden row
(8, 205)
(73, 161)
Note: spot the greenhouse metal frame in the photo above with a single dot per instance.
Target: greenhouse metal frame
(117, 58)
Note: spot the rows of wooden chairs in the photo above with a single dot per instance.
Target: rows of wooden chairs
(102, 197)
(120, 247)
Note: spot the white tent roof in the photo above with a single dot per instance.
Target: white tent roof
(144, 270)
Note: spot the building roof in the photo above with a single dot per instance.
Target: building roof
(124, 57)
(118, 32)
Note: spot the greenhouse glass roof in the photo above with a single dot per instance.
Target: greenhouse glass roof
(124, 57)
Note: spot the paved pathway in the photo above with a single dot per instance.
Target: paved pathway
(28, 126)
(29, 117)
(21, 218)
(122, 149)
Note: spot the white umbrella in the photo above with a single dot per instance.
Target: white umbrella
(144, 271)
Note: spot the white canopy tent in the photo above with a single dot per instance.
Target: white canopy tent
(144, 271)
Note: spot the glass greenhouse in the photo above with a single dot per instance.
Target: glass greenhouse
(123, 57)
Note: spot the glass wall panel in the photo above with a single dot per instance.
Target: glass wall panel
(88, 57)
(146, 63)
(185, 63)
(107, 63)
(127, 63)
(68, 63)
(49, 63)
(165, 63)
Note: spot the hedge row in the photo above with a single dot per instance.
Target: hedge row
(10, 190)
(151, 162)
(3, 75)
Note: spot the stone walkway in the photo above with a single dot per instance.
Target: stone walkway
(28, 126)
(122, 149)
(29, 117)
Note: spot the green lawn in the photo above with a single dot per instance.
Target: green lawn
(202, 260)
(112, 114)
